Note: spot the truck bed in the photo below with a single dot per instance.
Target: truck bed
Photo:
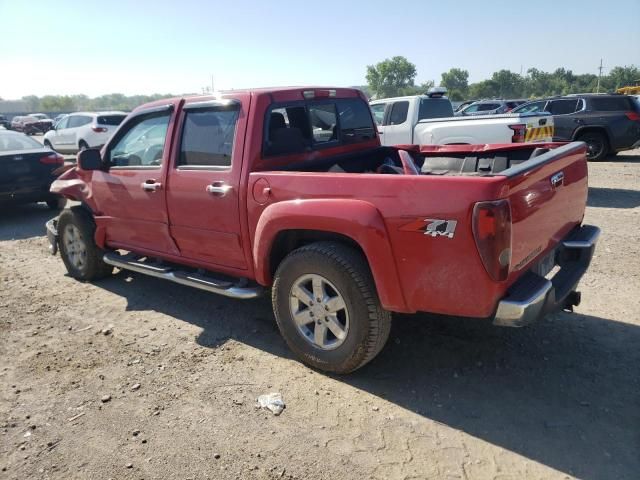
(541, 214)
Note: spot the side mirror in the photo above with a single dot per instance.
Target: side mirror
(90, 159)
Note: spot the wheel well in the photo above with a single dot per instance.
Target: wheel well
(81, 141)
(602, 130)
(289, 240)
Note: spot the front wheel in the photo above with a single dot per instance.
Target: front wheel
(327, 308)
(79, 252)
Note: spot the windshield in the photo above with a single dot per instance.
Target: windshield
(11, 142)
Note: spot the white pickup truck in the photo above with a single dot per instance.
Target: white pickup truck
(425, 120)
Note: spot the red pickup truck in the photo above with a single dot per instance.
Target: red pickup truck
(290, 189)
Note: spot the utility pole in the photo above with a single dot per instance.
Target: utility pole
(599, 76)
(212, 89)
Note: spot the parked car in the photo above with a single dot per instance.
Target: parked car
(245, 193)
(462, 105)
(403, 121)
(81, 130)
(606, 123)
(489, 107)
(59, 117)
(390, 111)
(27, 170)
(44, 122)
(25, 124)
(4, 123)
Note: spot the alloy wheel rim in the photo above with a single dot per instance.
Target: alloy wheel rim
(75, 247)
(319, 311)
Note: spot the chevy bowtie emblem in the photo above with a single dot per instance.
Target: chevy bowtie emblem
(432, 227)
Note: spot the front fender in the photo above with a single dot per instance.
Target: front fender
(74, 184)
(356, 219)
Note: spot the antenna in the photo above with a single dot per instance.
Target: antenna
(599, 76)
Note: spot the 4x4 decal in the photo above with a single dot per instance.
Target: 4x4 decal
(432, 226)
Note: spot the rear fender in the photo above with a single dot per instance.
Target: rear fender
(356, 219)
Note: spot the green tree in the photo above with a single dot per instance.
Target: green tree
(508, 83)
(389, 77)
(621, 77)
(484, 89)
(456, 81)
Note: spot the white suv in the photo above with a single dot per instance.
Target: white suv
(81, 130)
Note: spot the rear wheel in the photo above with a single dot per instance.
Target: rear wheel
(327, 308)
(82, 145)
(79, 252)
(597, 145)
(47, 144)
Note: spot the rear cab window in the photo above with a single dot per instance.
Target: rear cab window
(435, 108)
(307, 125)
(110, 120)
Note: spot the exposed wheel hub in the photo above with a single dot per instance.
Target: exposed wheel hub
(319, 311)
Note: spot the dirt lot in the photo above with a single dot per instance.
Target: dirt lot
(181, 369)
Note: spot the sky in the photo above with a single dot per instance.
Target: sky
(66, 47)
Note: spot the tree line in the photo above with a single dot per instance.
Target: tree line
(395, 77)
(76, 103)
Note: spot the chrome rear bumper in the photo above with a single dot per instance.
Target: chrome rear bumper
(533, 296)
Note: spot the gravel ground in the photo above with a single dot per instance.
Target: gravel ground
(133, 377)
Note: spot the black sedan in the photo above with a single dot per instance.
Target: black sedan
(27, 170)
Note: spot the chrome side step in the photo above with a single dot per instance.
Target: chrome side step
(191, 279)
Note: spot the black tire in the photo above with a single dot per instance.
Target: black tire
(347, 270)
(47, 144)
(597, 145)
(56, 203)
(82, 145)
(91, 266)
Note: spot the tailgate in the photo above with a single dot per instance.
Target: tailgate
(539, 129)
(548, 197)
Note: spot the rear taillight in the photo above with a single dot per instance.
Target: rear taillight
(492, 233)
(519, 132)
(52, 159)
(633, 116)
(99, 129)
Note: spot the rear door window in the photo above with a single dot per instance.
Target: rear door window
(207, 137)
(399, 112)
(562, 107)
(78, 121)
(611, 104)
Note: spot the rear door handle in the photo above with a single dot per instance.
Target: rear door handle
(150, 185)
(219, 189)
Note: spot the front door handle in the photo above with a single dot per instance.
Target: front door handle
(219, 189)
(150, 185)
